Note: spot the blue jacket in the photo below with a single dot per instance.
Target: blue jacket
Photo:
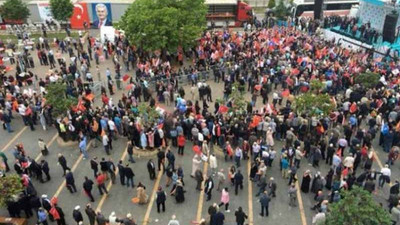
(264, 200)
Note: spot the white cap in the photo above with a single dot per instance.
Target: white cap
(44, 196)
(129, 215)
(77, 207)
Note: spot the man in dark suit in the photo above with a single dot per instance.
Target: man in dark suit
(151, 167)
(102, 13)
(70, 181)
(121, 170)
(129, 174)
(264, 201)
(217, 218)
(94, 165)
(160, 200)
(209, 187)
(45, 168)
(87, 187)
(238, 178)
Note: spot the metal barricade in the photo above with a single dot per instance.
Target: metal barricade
(96, 88)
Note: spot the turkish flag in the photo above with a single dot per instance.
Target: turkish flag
(125, 77)
(285, 93)
(223, 109)
(128, 87)
(79, 16)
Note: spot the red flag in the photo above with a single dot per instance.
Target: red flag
(197, 150)
(223, 109)
(79, 16)
(285, 93)
(128, 87)
(126, 77)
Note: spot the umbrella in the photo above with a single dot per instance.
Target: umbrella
(129, 87)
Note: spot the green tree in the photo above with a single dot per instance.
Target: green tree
(148, 114)
(62, 9)
(357, 208)
(57, 97)
(271, 4)
(14, 10)
(367, 80)
(281, 11)
(313, 104)
(10, 187)
(239, 103)
(164, 24)
(317, 86)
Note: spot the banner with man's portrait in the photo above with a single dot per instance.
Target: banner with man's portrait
(101, 15)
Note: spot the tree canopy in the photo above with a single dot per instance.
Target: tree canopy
(57, 97)
(281, 10)
(271, 4)
(314, 102)
(14, 10)
(367, 80)
(10, 187)
(164, 24)
(149, 115)
(357, 208)
(62, 9)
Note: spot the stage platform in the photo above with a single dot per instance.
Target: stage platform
(379, 45)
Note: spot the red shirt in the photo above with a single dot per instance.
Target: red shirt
(181, 141)
(100, 179)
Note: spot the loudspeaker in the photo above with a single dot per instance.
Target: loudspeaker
(389, 27)
(318, 9)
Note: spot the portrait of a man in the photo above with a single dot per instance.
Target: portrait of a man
(101, 15)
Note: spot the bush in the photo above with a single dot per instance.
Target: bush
(357, 208)
(57, 97)
(367, 80)
(10, 187)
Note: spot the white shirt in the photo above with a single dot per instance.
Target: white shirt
(105, 140)
(200, 136)
(319, 218)
(111, 124)
(385, 171)
(21, 109)
(256, 148)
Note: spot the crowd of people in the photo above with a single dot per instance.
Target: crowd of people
(351, 25)
(263, 63)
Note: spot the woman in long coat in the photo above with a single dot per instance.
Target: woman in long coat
(179, 192)
(305, 183)
(141, 194)
(270, 138)
(317, 183)
(329, 178)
